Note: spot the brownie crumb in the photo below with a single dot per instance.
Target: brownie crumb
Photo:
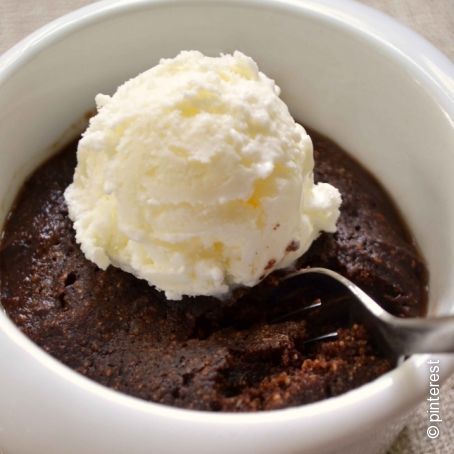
(293, 246)
(270, 264)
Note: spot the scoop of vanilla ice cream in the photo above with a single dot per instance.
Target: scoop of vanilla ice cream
(195, 177)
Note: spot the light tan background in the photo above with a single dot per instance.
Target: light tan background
(434, 19)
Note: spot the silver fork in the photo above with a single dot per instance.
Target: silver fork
(402, 336)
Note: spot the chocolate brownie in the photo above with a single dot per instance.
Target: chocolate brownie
(252, 351)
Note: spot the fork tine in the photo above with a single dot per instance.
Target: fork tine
(314, 305)
(322, 337)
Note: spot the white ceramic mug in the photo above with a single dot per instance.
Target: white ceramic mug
(379, 90)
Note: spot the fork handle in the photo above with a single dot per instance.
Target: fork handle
(420, 335)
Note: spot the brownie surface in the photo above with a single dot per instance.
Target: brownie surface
(252, 351)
